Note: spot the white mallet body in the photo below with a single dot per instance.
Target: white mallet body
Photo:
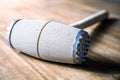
(49, 40)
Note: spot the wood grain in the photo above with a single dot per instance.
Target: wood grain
(103, 60)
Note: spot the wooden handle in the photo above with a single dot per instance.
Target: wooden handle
(99, 16)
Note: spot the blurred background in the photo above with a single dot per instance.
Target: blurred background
(59, 10)
(103, 60)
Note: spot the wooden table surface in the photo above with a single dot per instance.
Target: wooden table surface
(103, 60)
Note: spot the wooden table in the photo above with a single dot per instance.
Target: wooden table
(103, 62)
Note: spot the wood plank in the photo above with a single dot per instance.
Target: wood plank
(104, 56)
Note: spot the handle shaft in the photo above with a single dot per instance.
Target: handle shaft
(99, 16)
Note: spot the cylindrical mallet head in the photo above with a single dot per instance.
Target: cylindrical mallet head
(49, 40)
